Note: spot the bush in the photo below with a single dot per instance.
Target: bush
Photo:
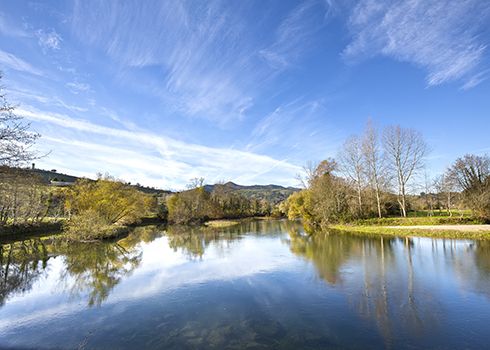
(102, 208)
(90, 225)
(114, 201)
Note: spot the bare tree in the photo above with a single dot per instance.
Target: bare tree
(374, 162)
(313, 170)
(405, 149)
(308, 174)
(470, 171)
(16, 140)
(472, 175)
(429, 198)
(446, 186)
(352, 165)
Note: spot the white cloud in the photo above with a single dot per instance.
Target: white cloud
(10, 29)
(440, 36)
(293, 128)
(11, 61)
(141, 156)
(293, 35)
(202, 71)
(24, 95)
(77, 87)
(48, 40)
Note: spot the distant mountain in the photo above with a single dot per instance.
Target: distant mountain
(271, 193)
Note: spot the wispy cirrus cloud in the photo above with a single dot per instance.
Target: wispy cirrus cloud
(77, 87)
(13, 62)
(10, 29)
(150, 158)
(202, 72)
(293, 36)
(442, 36)
(293, 128)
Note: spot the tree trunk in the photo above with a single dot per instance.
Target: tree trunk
(359, 197)
(403, 201)
(378, 201)
(449, 204)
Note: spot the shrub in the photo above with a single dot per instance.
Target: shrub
(89, 225)
(100, 209)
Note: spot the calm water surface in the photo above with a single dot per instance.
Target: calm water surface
(258, 285)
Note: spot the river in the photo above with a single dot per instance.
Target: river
(257, 285)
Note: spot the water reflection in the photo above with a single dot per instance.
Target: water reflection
(21, 264)
(91, 270)
(386, 278)
(259, 284)
(194, 240)
(96, 269)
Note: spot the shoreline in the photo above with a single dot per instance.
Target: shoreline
(480, 232)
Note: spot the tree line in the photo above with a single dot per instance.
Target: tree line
(374, 175)
(196, 204)
(378, 173)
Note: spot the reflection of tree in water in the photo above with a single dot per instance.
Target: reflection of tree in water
(384, 289)
(471, 264)
(195, 240)
(482, 257)
(327, 252)
(95, 268)
(21, 264)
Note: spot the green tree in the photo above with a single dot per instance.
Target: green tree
(97, 207)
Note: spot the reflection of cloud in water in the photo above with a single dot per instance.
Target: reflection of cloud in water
(162, 269)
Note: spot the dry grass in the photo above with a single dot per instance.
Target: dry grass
(221, 223)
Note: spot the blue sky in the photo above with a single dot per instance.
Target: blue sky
(159, 92)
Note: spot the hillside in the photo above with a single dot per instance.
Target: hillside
(271, 193)
(53, 177)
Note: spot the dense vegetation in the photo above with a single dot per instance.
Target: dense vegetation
(198, 204)
(103, 207)
(271, 193)
(26, 200)
(374, 178)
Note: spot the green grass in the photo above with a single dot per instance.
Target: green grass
(378, 226)
(440, 213)
(419, 220)
(410, 232)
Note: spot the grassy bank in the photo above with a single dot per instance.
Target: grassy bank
(407, 231)
(419, 221)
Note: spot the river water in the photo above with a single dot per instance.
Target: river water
(258, 285)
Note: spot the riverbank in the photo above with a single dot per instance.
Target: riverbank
(433, 231)
(24, 231)
(221, 223)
